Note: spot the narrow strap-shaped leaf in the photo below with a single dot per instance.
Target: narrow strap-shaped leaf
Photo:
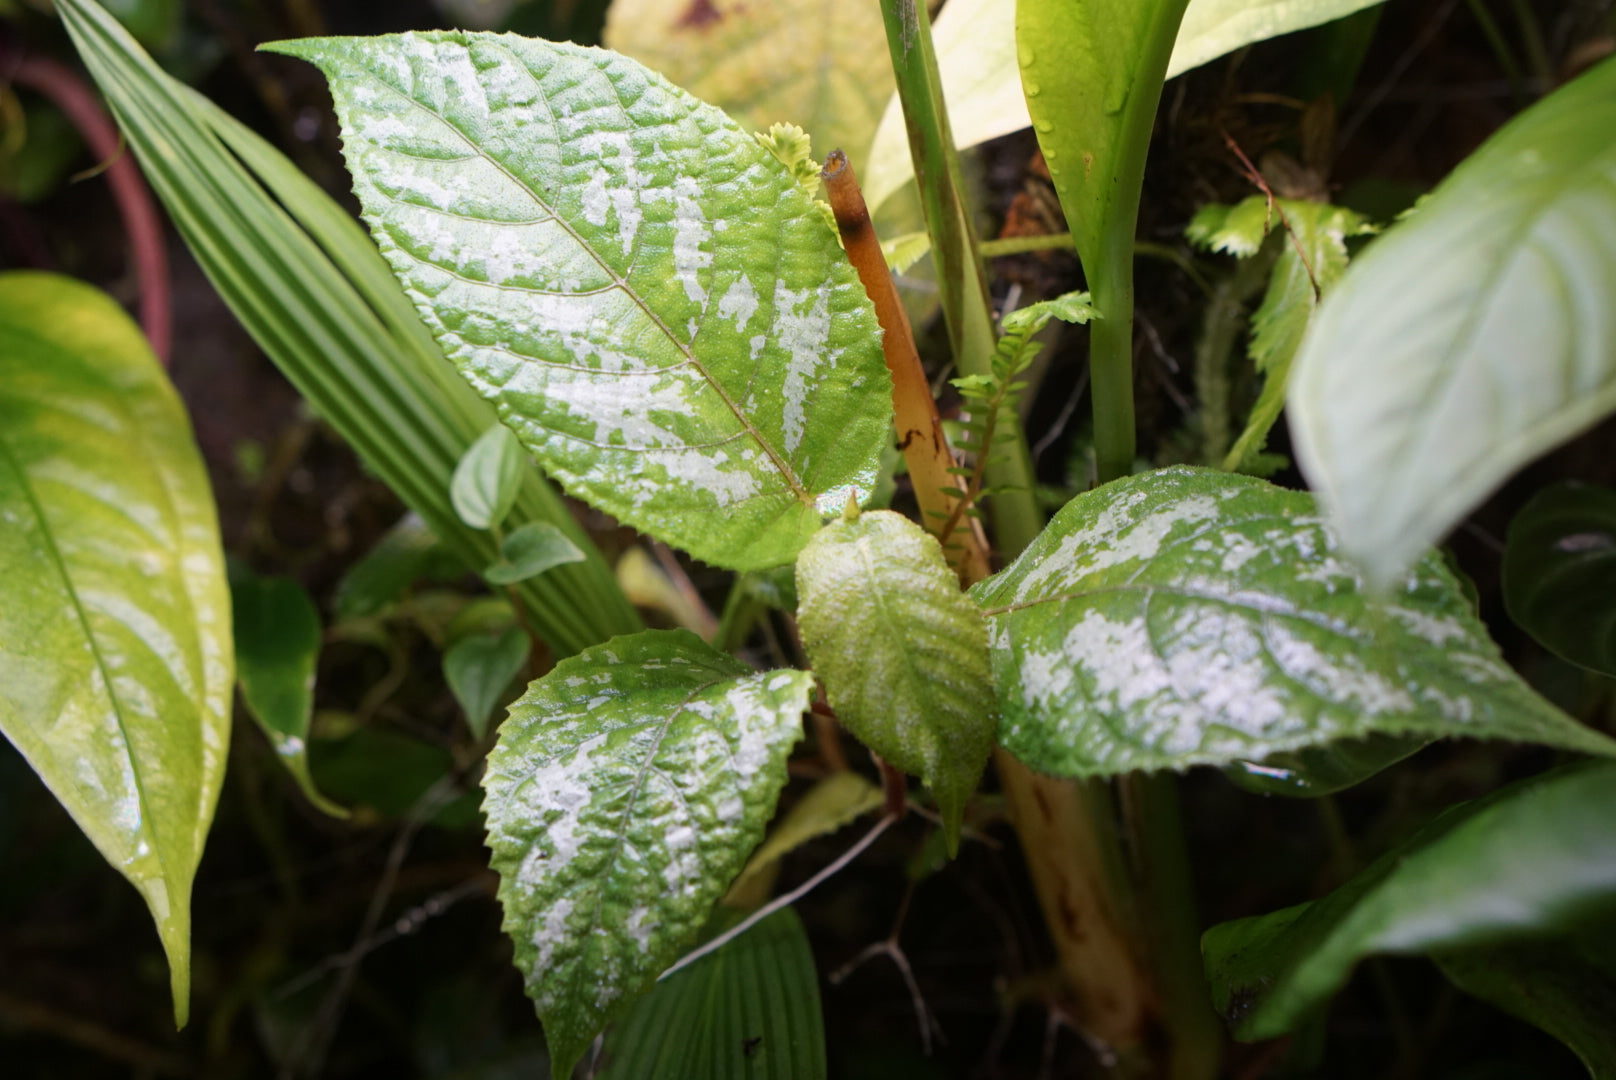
(115, 655)
(749, 1011)
(587, 243)
(388, 392)
(1535, 857)
(902, 652)
(628, 786)
(1188, 616)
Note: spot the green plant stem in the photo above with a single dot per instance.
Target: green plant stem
(1500, 46)
(1166, 892)
(961, 281)
(1021, 245)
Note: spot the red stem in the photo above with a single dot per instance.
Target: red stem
(71, 94)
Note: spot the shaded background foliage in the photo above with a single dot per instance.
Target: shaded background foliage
(373, 944)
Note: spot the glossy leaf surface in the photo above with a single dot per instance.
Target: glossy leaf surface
(1473, 336)
(529, 551)
(749, 1011)
(1086, 67)
(1187, 616)
(480, 667)
(626, 791)
(1560, 573)
(487, 478)
(115, 660)
(1313, 771)
(901, 651)
(976, 55)
(656, 309)
(1550, 985)
(1536, 856)
(277, 638)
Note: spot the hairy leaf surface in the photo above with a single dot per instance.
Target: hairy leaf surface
(628, 786)
(655, 308)
(1473, 336)
(115, 660)
(1187, 616)
(1560, 573)
(1537, 856)
(1313, 258)
(976, 57)
(749, 1011)
(902, 652)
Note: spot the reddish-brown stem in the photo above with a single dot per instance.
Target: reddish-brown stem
(141, 224)
(920, 429)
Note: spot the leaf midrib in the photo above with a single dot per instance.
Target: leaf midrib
(787, 473)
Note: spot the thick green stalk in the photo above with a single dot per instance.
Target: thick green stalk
(961, 280)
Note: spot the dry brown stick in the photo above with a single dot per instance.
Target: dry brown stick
(920, 430)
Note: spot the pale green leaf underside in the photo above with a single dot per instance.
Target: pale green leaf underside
(626, 791)
(1187, 617)
(1470, 338)
(901, 651)
(1535, 857)
(115, 657)
(652, 305)
(749, 1011)
(976, 56)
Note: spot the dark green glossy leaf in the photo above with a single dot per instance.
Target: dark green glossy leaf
(1537, 856)
(1550, 985)
(1313, 771)
(586, 242)
(481, 667)
(901, 651)
(385, 774)
(1560, 573)
(628, 786)
(488, 478)
(1187, 616)
(529, 551)
(1471, 337)
(749, 1011)
(115, 659)
(278, 636)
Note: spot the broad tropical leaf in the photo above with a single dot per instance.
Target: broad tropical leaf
(1470, 338)
(1313, 771)
(1548, 984)
(901, 651)
(628, 786)
(277, 639)
(588, 244)
(749, 1011)
(115, 661)
(1535, 857)
(1313, 258)
(310, 287)
(1560, 573)
(1188, 616)
(976, 53)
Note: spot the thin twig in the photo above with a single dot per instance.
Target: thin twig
(1256, 177)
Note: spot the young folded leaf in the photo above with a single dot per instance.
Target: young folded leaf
(901, 651)
(1536, 857)
(115, 655)
(626, 791)
(1187, 617)
(656, 308)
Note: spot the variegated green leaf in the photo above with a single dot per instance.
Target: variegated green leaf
(1188, 616)
(902, 652)
(628, 787)
(659, 312)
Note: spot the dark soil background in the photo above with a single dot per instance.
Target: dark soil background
(288, 981)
